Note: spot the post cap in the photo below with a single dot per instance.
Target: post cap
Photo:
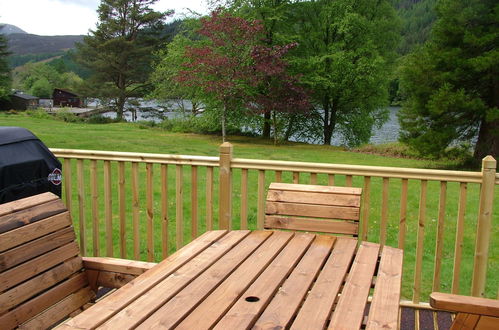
(489, 162)
(226, 148)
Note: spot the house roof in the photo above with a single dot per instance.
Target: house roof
(25, 96)
(66, 91)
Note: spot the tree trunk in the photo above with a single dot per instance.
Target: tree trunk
(266, 124)
(224, 119)
(276, 134)
(289, 129)
(329, 120)
(488, 140)
(120, 106)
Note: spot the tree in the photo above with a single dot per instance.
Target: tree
(346, 49)
(274, 17)
(5, 78)
(278, 92)
(221, 66)
(164, 77)
(452, 83)
(120, 51)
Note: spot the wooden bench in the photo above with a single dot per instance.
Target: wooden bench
(43, 280)
(314, 208)
(472, 312)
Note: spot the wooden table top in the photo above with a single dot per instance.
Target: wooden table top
(259, 279)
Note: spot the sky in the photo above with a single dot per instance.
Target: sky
(72, 17)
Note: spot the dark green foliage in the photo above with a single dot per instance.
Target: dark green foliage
(417, 20)
(346, 52)
(18, 60)
(452, 84)
(120, 51)
(5, 78)
(67, 63)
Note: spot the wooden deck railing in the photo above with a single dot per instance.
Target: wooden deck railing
(442, 219)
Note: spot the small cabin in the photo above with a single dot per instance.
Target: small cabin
(65, 98)
(21, 101)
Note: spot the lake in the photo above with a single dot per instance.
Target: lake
(152, 111)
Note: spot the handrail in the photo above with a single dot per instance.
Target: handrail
(361, 170)
(256, 164)
(136, 157)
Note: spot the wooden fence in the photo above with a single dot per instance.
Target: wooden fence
(442, 219)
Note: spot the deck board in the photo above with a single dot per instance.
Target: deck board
(249, 306)
(356, 291)
(220, 301)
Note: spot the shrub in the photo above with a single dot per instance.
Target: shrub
(99, 119)
(38, 114)
(65, 115)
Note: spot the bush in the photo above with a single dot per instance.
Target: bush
(99, 119)
(38, 114)
(65, 115)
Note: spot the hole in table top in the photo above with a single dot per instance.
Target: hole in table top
(252, 299)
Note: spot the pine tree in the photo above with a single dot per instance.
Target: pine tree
(452, 83)
(5, 78)
(120, 51)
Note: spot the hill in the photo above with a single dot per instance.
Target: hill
(24, 43)
(9, 29)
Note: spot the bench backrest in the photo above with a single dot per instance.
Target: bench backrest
(313, 208)
(41, 274)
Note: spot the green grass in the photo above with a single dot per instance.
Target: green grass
(133, 137)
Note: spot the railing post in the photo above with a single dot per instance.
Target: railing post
(484, 225)
(225, 197)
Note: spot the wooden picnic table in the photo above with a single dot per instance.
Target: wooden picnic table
(259, 279)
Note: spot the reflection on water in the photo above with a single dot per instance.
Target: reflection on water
(153, 111)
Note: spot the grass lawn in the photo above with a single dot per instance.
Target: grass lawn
(135, 138)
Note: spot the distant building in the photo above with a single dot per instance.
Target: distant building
(20, 101)
(65, 98)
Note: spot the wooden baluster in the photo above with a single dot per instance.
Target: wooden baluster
(365, 207)
(164, 210)
(296, 177)
(81, 206)
(135, 211)
(194, 201)
(122, 202)
(348, 181)
(313, 178)
(416, 298)
(108, 208)
(384, 211)
(278, 176)
(458, 249)
(95, 207)
(179, 219)
(209, 198)
(150, 212)
(68, 184)
(261, 199)
(330, 179)
(439, 244)
(244, 198)
(403, 214)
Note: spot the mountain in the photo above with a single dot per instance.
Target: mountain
(9, 29)
(24, 43)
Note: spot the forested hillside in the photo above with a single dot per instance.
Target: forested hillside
(417, 19)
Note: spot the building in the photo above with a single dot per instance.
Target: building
(21, 101)
(65, 98)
